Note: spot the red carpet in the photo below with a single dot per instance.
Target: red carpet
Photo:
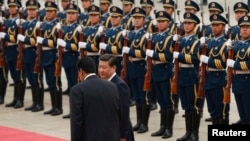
(11, 134)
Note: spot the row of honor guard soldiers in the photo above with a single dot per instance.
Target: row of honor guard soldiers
(138, 33)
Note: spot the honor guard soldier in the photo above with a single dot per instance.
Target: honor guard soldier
(84, 16)
(62, 14)
(11, 52)
(169, 7)
(215, 77)
(161, 73)
(240, 9)
(136, 68)
(28, 37)
(213, 8)
(241, 78)
(113, 37)
(105, 17)
(127, 19)
(188, 76)
(48, 57)
(150, 24)
(3, 67)
(91, 38)
(70, 44)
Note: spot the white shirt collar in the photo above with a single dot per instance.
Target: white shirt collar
(112, 76)
(91, 74)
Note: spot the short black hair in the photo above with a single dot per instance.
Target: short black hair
(112, 60)
(87, 64)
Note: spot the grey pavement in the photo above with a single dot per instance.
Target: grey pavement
(58, 127)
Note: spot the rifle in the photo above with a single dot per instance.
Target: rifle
(124, 60)
(81, 34)
(37, 67)
(227, 98)
(58, 64)
(147, 78)
(178, 30)
(202, 72)
(2, 53)
(19, 65)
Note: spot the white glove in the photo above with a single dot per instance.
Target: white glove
(38, 24)
(18, 21)
(61, 42)
(176, 54)
(203, 40)
(58, 26)
(79, 28)
(3, 8)
(82, 44)
(2, 35)
(176, 37)
(125, 49)
(229, 43)
(226, 28)
(102, 46)
(20, 37)
(100, 29)
(154, 22)
(230, 63)
(1, 20)
(149, 52)
(178, 23)
(148, 35)
(204, 59)
(124, 32)
(39, 39)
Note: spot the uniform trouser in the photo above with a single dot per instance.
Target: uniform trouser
(17, 75)
(119, 65)
(3, 82)
(162, 89)
(71, 75)
(50, 76)
(137, 89)
(188, 98)
(216, 108)
(96, 60)
(242, 102)
(33, 78)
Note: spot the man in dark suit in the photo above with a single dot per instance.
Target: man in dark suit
(94, 106)
(107, 71)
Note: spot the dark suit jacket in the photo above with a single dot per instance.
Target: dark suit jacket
(125, 123)
(94, 111)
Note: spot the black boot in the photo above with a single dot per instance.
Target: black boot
(52, 98)
(224, 121)
(138, 116)
(15, 97)
(188, 122)
(66, 116)
(196, 118)
(3, 86)
(40, 96)
(34, 97)
(21, 93)
(145, 116)
(58, 107)
(176, 102)
(162, 124)
(169, 126)
(66, 92)
(215, 121)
